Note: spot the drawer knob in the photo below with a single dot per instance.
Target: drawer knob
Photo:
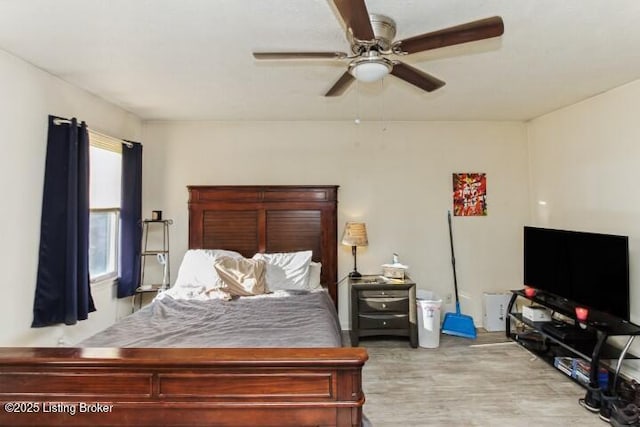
(383, 293)
(384, 305)
(384, 322)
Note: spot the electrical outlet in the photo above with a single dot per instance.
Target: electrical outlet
(448, 299)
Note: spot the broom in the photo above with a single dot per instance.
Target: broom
(457, 324)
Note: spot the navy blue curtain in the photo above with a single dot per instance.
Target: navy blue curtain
(130, 219)
(63, 294)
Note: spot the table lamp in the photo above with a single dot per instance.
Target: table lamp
(355, 234)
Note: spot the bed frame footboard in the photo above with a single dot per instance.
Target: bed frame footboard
(181, 386)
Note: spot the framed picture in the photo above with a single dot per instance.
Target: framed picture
(469, 194)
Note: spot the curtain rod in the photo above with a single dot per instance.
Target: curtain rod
(58, 122)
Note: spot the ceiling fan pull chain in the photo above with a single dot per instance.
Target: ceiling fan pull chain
(383, 119)
(357, 120)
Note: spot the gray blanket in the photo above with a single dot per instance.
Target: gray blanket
(299, 319)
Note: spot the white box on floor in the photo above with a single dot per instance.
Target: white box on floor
(495, 311)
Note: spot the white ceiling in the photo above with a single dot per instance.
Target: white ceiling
(191, 59)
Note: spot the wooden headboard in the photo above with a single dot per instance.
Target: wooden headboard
(268, 218)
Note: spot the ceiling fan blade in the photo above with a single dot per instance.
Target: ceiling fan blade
(416, 77)
(341, 85)
(471, 31)
(299, 55)
(356, 17)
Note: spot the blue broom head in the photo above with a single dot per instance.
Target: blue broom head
(459, 325)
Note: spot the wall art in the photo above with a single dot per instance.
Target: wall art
(470, 194)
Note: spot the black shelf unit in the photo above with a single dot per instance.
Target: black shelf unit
(588, 342)
(162, 250)
(161, 227)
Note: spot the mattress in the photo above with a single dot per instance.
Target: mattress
(282, 319)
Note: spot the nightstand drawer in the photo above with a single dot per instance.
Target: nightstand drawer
(384, 293)
(383, 321)
(368, 305)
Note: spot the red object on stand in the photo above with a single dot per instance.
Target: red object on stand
(582, 313)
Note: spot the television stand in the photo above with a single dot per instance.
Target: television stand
(564, 338)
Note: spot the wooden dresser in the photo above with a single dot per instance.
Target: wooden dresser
(380, 308)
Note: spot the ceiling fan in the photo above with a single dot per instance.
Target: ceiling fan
(371, 39)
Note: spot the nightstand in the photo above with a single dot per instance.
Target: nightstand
(383, 307)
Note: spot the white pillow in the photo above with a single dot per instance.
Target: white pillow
(196, 269)
(315, 268)
(287, 270)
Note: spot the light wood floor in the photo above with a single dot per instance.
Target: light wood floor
(467, 383)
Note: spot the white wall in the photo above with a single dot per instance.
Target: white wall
(584, 165)
(29, 95)
(395, 176)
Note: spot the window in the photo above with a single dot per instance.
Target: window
(105, 156)
(103, 239)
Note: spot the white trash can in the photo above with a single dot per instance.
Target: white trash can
(429, 307)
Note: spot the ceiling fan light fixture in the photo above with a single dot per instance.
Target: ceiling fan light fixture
(370, 69)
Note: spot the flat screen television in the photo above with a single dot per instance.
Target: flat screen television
(590, 269)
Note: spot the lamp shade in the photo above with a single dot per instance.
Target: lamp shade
(370, 67)
(355, 234)
(370, 71)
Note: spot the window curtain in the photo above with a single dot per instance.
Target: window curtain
(130, 219)
(63, 294)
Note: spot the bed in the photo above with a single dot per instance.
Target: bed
(230, 386)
